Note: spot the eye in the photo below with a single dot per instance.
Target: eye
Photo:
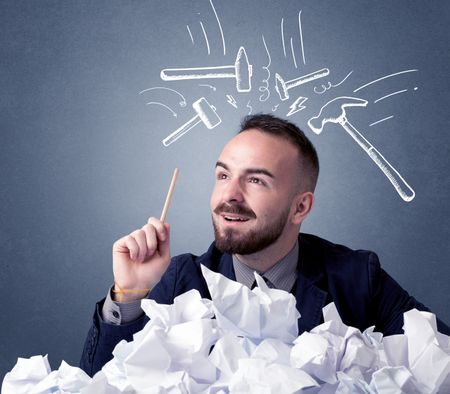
(221, 175)
(256, 181)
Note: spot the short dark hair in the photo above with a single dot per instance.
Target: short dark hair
(309, 161)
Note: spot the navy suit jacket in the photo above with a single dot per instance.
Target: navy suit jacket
(364, 294)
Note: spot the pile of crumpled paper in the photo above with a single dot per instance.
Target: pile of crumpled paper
(246, 341)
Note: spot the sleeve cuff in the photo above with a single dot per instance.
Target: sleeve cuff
(118, 313)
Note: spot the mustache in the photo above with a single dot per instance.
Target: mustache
(237, 209)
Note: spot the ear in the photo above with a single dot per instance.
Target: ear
(302, 205)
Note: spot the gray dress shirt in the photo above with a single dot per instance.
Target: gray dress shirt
(281, 276)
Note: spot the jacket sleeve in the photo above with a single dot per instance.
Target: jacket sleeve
(389, 301)
(103, 336)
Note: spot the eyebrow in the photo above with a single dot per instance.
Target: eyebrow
(262, 171)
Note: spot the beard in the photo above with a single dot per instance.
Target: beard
(254, 240)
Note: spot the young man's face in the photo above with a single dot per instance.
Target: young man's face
(256, 180)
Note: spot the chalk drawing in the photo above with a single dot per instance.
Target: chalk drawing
(293, 54)
(208, 86)
(190, 34)
(205, 113)
(220, 27)
(282, 87)
(301, 35)
(282, 36)
(334, 111)
(231, 100)
(183, 99)
(381, 120)
(264, 89)
(241, 71)
(390, 95)
(386, 76)
(275, 107)
(206, 38)
(249, 107)
(297, 105)
(330, 85)
(162, 105)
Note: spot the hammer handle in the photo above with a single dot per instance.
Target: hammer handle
(181, 130)
(403, 189)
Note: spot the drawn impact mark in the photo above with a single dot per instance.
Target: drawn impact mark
(297, 105)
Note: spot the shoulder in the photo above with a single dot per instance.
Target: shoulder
(334, 257)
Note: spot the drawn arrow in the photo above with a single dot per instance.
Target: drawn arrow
(182, 102)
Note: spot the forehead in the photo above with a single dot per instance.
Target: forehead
(253, 148)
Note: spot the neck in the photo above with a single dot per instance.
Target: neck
(265, 259)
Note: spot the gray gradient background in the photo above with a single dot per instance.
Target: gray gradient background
(82, 163)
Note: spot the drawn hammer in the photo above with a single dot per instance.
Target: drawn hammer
(206, 113)
(334, 111)
(241, 70)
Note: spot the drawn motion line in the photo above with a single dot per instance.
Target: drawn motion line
(293, 53)
(386, 76)
(205, 113)
(282, 36)
(381, 120)
(190, 34)
(389, 95)
(330, 85)
(206, 38)
(220, 27)
(301, 35)
(265, 87)
(334, 112)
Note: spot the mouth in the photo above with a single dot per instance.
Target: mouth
(233, 218)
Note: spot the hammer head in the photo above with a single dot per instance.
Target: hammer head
(280, 87)
(334, 111)
(207, 113)
(243, 71)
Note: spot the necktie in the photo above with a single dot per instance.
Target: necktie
(268, 282)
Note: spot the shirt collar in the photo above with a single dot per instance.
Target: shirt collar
(282, 275)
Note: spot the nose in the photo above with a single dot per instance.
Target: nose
(233, 191)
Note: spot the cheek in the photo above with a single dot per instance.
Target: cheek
(214, 198)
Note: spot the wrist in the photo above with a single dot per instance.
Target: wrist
(122, 295)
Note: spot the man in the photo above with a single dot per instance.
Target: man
(265, 180)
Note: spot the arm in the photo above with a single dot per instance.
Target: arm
(139, 261)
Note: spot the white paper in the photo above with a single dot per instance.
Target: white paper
(255, 349)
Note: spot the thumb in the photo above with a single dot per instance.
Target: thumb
(164, 246)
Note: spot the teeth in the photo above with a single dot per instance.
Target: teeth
(235, 219)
